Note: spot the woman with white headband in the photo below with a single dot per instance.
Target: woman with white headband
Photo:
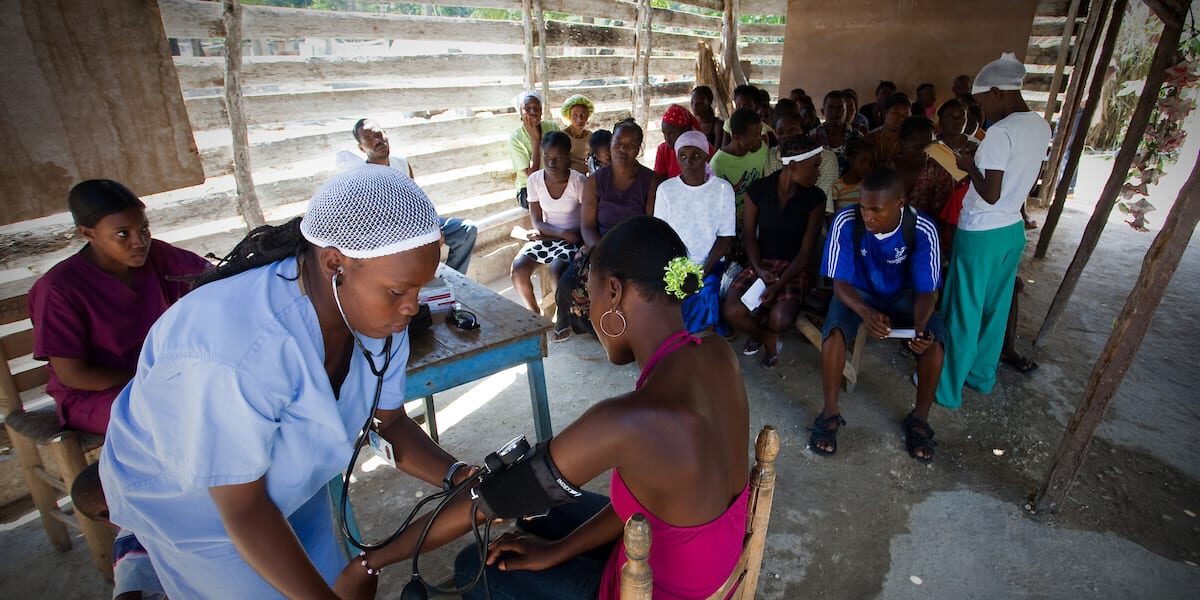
(781, 225)
(700, 208)
(249, 395)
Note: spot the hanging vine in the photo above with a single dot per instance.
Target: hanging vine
(1165, 135)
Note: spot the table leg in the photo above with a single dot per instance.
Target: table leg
(431, 419)
(541, 402)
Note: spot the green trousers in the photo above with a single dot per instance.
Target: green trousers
(978, 294)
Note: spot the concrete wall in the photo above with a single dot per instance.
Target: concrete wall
(835, 44)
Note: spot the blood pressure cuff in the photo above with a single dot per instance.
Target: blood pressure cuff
(531, 486)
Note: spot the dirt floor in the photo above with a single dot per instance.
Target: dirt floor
(871, 522)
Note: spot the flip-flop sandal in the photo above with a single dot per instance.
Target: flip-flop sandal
(770, 361)
(918, 435)
(822, 433)
(751, 348)
(1021, 364)
(561, 336)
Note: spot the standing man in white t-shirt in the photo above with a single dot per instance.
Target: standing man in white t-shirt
(991, 232)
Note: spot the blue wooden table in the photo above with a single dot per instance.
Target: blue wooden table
(446, 357)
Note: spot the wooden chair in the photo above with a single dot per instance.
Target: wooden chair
(810, 323)
(636, 578)
(31, 430)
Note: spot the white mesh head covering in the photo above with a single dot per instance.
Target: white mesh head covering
(1004, 73)
(370, 211)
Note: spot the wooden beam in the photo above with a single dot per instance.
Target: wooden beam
(247, 200)
(543, 71)
(641, 51)
(1166, 55)
(527, 32)
(768, 49)
(729, 53)
(200, 73)
(1172, 13)
(1078, 135)
(1068, 33)
(1122, 347)
(196, 19)
(1085, 64)
(665, 17)
(209, 112)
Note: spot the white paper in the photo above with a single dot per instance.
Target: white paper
(753, 296)
(903, 334)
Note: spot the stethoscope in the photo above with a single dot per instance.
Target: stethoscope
(417, 587)
(365, 431)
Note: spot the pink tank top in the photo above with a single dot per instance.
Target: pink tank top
(688, 562)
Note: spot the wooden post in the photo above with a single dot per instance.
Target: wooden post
(527, 28)
(1165, 57)
(1079, 134)
(247, 200)
(641, 63)
(1061, 64)
(543, 72)
(729, 37)
(1083, 67)
(636, 579)
(1128, 332)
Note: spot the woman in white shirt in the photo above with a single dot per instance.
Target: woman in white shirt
(700, 208)
(554, 201)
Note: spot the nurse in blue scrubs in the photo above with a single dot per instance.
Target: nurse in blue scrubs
(250, 392)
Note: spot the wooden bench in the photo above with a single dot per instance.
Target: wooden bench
(637, 581)
(32, 430)
(810, 323)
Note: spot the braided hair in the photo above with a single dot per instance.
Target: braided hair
(262, 246)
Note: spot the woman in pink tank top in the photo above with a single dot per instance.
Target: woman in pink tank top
(676, 447)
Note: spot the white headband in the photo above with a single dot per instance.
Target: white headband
(799, 157)
(981, 89)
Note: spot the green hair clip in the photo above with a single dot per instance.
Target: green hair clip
(676, 277)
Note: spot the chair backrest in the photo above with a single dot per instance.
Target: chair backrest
(636, 578)
(16, 342)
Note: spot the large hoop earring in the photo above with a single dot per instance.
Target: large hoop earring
(624, 323)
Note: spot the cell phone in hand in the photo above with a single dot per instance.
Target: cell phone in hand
(903, 334)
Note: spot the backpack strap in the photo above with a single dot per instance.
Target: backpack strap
(908, 227)
(859, 227)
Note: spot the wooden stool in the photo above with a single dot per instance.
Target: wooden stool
(637, 581)
(30, 430)
(810, 324)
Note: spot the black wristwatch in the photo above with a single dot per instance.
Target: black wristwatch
(448, 480)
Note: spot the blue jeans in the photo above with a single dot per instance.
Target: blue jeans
(578, 578)
(460, 239)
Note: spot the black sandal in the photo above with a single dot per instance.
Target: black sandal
(918, 435)
(1020, 364)
(823, 433)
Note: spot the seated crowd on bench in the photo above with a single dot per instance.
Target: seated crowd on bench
(222, 429)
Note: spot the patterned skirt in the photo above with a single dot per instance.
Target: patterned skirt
(548, 251)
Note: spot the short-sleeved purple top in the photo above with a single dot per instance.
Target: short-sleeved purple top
(81, 311)
(616, 205)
